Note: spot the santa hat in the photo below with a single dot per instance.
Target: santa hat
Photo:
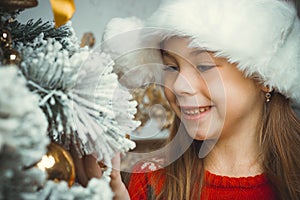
(261, 36)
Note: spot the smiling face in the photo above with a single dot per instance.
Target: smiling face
(211, 96)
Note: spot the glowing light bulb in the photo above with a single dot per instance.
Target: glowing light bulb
(46, 162)
(13, 57)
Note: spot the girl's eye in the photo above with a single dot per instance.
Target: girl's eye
(170, 68)
(203, 68)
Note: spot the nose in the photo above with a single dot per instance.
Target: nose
(186, 82)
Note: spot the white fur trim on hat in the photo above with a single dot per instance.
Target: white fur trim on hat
(261, 36)
(135, 64)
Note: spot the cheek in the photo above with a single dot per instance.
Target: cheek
(247, 91)
(168, 85)
(243, 99)
(170, 96)
(216, 90)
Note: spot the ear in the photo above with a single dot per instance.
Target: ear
(266, 88)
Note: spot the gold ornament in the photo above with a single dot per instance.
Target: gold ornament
(58, 164)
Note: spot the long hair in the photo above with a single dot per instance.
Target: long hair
(279, 134)
(185, 173)
(280, 144)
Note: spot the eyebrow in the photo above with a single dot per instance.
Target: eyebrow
(165, 52)
(193, 53)
(197, 52)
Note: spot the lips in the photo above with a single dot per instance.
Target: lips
(194, 112)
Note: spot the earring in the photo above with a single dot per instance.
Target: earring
(268, 97)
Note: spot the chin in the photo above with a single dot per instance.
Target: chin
(201, 138)
(199, 135)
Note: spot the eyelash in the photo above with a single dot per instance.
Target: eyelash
(170, 68)
(204, 68)
(201, 68)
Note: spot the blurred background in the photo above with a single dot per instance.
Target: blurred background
(93, 15)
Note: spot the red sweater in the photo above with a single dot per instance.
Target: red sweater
(215, 187)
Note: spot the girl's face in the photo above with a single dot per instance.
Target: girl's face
(211, 96)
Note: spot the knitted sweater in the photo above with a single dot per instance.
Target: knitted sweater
(215, 187)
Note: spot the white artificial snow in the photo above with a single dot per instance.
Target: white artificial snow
(23, 133)
(97, 189)
(81, 97)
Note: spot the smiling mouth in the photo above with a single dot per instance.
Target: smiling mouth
(195, 111)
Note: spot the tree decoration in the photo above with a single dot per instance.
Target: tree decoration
(63, 11)
(97, 189)
(58, 164)
(62, 92)
(80, 97)
(26, 33)
(23, 137)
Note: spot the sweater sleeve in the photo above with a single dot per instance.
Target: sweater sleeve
(143, 181)
(137, 185)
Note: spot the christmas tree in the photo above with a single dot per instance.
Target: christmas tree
(54, 92)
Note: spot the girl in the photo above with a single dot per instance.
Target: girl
(231, 71)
